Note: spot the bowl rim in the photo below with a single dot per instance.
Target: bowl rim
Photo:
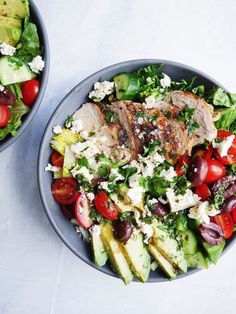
(38, 20)
(44, 142)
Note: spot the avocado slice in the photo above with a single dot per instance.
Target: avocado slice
(122, 190)
(11, 73)
(116, 254)
(213, 251)
(14, 8)
(60, 141)
(138, 256)
(119, 204)
(197, 260)
(166, 266)
(10, 30)
(69, 162)
(99, 251)
(168, 247)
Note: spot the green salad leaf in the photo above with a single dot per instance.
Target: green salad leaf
(227, 119)
(218, 97)
(17, 111)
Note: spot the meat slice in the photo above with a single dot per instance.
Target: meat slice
(203, 114)
(127, 113)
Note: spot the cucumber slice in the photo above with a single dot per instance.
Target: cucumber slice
(127, 86)
(10, 73)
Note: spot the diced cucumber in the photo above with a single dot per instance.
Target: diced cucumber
(189, 242)
(197, 260)
(11, 73)
(127, 86)
(213, 251)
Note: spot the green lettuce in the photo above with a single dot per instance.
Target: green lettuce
(218, 97)
(227, 118)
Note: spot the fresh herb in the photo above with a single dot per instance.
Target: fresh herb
(127, 216)
(84, 183)
(91, 134)
(152, 148)
(233, 169)
(128, 172)
(183, 84)
(180, 184)
(110, 116)
(83, 162)
(186, 116)
(69, 121)
(155, 185)
(103, 170)
(149, 219)
(96, 217)
(199, 90)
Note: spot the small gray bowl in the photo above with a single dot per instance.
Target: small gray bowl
(68, 106)
(37, 19)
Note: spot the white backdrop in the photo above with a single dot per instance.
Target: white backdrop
(38, 274)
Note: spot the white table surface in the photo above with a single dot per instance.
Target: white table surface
(38, 273)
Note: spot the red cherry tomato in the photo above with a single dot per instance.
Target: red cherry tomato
(225, 221)
(231, 156)
(105, 207)
(234, 214)
(181, 164)
(215, 171)
(65, 190)
(30, 91)
(203, 191)
(57, 159)
(4, 115)
(82, 211)
(208, 153)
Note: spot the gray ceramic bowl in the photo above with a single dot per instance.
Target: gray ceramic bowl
(68, 106)
(37, 19)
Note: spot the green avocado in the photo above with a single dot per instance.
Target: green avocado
(189, 242)
(120, 204)
(169, 247)
(138, 257)
(165, 265)
(213, 251)
(60, 141)
(116, 254)
(10, 30)
(99, 251)
(14, 8)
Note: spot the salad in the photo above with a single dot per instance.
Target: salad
(146, 171)
(20, 64)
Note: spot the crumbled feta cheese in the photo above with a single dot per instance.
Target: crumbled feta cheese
(147, 230)
(52, 168)
(84, 134)
(148, 170)
(135, 194)
(165, 81)
(78, 147)
(37, 64)
(77, 126)
(101, 90)
(57, 129)
(7, 50)
(137, 216)
(141, 135)
(90, 196)
(158, 158)
(118, 176)
(140, 120)
(85, 172)
(150, 102)
(1, 88)
(134, 180)
(224, 146)
(202, 211)
(181, 202)
(95, 230)
(168, 174)
(162, 200)
(104, 186)
(153, 201)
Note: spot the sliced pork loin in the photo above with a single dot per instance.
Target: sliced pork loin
(203, 114)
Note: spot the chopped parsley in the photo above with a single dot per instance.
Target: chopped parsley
(110, 116)
(186, 116)
(152, 148)
(128, 172)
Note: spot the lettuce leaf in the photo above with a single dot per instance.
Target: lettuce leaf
(17, 111)
(218, 97)
(228, 117)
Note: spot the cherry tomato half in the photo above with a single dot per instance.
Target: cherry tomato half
(225, 221)
(215, 171)
(4, 115)
(181, 165)
(203, 191)
(65, 190)
(30, 91)
(57, 159)
(104, 206)
(231, 155)
(82, 211)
